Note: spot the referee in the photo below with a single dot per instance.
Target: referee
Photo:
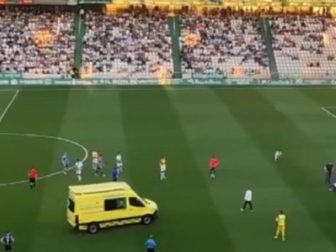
(247, 200)
(7, 240)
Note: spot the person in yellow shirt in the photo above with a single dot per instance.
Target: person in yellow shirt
(281, 225)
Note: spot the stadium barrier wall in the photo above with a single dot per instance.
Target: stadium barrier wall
(130, 82)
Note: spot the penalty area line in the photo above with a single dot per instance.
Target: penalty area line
(325, 109)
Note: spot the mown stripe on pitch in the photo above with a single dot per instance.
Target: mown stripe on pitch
(188, 219)
(212, 130)
(305, 111)
(32, 112)
(270, 129)
(323, 97)
(93, 118)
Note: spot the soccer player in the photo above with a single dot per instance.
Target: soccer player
(328, 169)
(247, 200)
(332, 188)
(79, 168)
(94, 156)
(100, 166)
(150, 244)
(7, 240)
(281, 225)
(213, 165)
(119, 162)
(115, 174)
(163, 168)
(65, 162)
(32, 176)
(277, 155)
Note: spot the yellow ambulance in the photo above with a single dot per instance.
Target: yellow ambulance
(96, 206)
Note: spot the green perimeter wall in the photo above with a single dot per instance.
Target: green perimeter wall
(176, 82)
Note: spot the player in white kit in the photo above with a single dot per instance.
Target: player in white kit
(95, 156)
(163, 168)
(119, 162)
(79, 168)
(277, 155)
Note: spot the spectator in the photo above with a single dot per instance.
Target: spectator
(35, 41)
(133, 43)
(304, 45)
(215, 43)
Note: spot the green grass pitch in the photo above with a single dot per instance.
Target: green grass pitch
(242, 126)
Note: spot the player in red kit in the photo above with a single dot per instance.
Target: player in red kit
(32, 176)
(213, 165)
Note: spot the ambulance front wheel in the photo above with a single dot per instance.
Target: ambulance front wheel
(93, 228)
(147, 219)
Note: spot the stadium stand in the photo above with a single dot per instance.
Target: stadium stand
(304, 46)
(36, 42)
(219, 43)
(132, 43)
(150, 43)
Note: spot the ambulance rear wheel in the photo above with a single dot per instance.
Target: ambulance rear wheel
(147, 219)
(93, 228)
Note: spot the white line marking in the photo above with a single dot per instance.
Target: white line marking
(85, 150)
(328, 112)
(9, 105)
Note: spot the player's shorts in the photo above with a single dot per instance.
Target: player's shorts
(8, 247)
(281, 228)
(94, 165)
(119, 164)
(32, 180)
(212, 170)
(78, 172)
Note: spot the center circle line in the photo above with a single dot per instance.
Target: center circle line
(52, 174)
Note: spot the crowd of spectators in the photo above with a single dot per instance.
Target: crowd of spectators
(36, 42)
(304, 46)
(136, 43)
(132, 43)
(223, 43)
